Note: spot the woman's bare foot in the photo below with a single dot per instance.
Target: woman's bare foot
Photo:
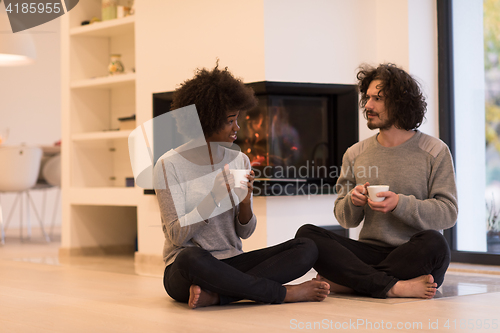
(334, 287)
(420, 287)
(310, 291)
(199, 297)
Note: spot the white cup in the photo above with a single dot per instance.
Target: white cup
(239, 176)
(374, 189)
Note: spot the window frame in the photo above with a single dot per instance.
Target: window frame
(447, 120)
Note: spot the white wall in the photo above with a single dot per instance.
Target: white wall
(286, 214)
(173, 38)
(31, 101)
(321, 41)
(30, 94)
(423, 57)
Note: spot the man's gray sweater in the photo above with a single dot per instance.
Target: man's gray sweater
(420, 171)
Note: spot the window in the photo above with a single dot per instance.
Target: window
(469, 45)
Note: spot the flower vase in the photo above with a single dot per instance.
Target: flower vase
(115, 65)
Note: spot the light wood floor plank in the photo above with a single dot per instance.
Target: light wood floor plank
(103, 296)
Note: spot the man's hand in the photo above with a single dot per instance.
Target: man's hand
(358, 195)
(386, 206)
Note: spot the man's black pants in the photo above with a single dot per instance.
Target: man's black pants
(373, 270)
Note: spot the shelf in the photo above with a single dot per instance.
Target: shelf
(105, 82)
(95, 136)
(109, 28)
(103, 196)
(97, 164)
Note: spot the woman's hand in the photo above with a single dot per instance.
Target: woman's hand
(244, 192)
(223, 184)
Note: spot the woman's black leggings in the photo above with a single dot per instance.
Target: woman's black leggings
(257, 275)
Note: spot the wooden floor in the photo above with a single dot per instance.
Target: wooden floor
(39, 293)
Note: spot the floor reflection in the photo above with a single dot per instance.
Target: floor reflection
(455, 284)
(123, 264)
(461, 284)
(42, 260)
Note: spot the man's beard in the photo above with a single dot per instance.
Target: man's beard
(385, 125)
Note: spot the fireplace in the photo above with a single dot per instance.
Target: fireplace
(296, 137)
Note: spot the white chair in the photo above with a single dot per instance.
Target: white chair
(19, 168)
(51, 172)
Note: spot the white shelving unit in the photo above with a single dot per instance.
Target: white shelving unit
(95, 153)
(105, 29)
(95, 136)
(105, 82)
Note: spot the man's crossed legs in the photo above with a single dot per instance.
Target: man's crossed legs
(413, 269)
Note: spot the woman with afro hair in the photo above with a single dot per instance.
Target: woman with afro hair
(205, 214)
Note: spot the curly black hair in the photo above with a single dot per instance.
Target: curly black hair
(404, 101)
(214, 93)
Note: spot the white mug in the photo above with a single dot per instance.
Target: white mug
(374, 189)
(239, 176)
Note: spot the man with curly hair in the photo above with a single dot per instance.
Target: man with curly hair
(400, 252)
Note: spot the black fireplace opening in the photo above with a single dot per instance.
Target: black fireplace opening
(295, 138)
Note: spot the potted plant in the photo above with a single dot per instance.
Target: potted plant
(493, 234)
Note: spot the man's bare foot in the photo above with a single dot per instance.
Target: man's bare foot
(420, 287)
(334, 287)
(310, 291)
(199, 297)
